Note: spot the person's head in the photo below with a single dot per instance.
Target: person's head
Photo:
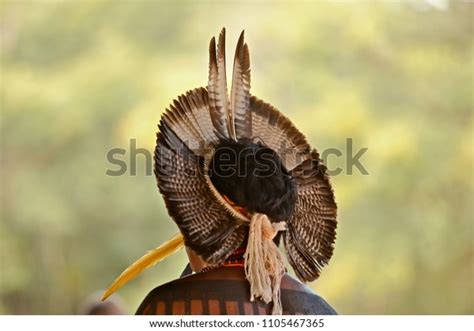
(93, 305)
(252, 177)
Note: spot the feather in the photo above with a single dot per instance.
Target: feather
(188, 117)
(311, 233)
(241, 117)
(277, 132)
(190, 200)
(148, 260)
(217, 87)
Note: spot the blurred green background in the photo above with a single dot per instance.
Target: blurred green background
(81, 78)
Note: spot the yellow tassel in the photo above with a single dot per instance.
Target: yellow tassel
(148, 260)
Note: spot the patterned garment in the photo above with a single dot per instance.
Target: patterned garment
(225, 291)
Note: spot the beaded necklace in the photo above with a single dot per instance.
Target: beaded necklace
(236, 259)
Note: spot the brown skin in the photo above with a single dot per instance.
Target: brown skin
(196, 262)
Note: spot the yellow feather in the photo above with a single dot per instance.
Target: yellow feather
(148, 260)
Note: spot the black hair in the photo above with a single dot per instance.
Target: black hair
(253, 176)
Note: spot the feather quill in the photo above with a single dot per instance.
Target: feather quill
(241, 116)
(219, 106)
(148, 260)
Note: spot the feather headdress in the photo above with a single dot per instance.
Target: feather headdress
(189, 132)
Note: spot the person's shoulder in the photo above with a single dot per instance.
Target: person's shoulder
(213, 284)
(171, 286)
(301, 299)
(227, 284)
(190, 281)
(151, 305)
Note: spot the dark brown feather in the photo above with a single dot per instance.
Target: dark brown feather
(311, 233)
(205, 224)
(277, 132)
(188, 116)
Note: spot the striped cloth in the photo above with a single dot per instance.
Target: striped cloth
(225, 291)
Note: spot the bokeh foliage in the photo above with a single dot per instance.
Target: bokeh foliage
(81, 78)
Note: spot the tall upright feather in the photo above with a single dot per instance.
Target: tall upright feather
(148, 260)
(241, 116)
(219, 106)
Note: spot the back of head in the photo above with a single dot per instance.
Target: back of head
(253, 177)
